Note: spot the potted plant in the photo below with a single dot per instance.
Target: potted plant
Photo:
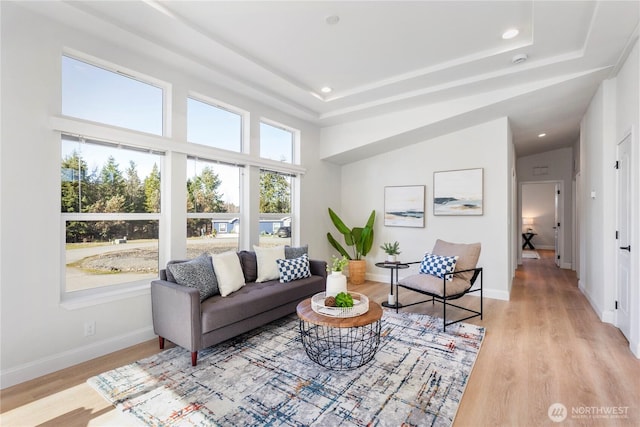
(359, 239)
(392, 250)
(336, 281)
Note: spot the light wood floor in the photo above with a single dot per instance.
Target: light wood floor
(544, 346)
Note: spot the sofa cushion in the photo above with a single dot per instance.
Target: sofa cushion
(435, 285)
(267, 266)
(197, 273)
(468, 255)
(255, 298)
(291, 252)
(438, 265)
(229, 272)
(249, 265)
(293, 269)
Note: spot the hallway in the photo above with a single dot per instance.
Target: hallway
(546, 346)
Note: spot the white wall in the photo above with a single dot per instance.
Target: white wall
(613, 112)
(484, 146)
(38, 334)
(559, 167)
(538, 202)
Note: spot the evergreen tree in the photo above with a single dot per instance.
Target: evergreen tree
(152, 190)
(275, 193)
(203, 194)
(73, 179)
(111, 182)
(133, 190)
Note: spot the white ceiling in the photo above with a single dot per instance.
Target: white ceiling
(384, 57)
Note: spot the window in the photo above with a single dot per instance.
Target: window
(97, 94)
(213, 207)
(214, 126)
(276, 143)
(110, 205)
(275, 208)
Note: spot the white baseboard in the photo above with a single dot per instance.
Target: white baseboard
(606, 316)
(545, 247)
(566, 265)
(55, 362)
(495, 294)
(635, 349)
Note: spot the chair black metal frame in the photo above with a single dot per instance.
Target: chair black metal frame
(445, 298)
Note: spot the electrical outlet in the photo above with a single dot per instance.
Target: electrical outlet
(89, 328)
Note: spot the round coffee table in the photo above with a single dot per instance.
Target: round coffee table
(340, 343)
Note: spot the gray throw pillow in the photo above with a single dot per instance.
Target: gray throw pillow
(291, 252)
(197, 273)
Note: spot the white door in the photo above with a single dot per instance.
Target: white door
(624, 234)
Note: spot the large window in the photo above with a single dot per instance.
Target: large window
(276, 143)
(215, 126)
(114, 98)
(275, 208)
(213, 207)
(110, 205)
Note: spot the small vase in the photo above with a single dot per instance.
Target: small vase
(336, 283)
(391, 258)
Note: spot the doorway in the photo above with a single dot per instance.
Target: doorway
(541, 210)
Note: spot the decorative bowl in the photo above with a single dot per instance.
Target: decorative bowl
(360, 306)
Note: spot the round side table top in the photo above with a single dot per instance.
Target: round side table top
(306, 313)
(393, 265)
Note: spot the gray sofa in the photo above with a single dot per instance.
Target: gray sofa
(180, 317)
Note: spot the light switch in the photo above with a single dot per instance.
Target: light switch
(593, 194)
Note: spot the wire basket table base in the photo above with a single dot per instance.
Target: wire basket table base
(340, 348)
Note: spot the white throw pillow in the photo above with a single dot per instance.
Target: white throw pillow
(267, 265)
(228, 272)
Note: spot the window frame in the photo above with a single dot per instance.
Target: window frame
(174, 147)
(70, 299)
(295, 141)
(244, 118)
(129, 73)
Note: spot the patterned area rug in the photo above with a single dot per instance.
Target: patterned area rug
(265, 377)
(529, 254)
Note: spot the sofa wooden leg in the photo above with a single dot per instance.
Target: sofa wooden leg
(161, 342)
(194, 358)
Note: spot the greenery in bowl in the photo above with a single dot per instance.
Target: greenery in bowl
(344, 299)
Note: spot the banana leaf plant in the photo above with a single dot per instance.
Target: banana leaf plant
(360, 239)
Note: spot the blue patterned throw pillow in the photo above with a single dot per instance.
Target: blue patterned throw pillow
(293, 269)
(438, 265)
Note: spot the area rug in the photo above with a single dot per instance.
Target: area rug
(530, 254)
(265, 378)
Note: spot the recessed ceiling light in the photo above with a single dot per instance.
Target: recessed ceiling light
(542, 135)
(326, 89)
(332, 20)
(510, 33)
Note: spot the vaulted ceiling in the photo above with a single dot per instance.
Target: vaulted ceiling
(382, 57)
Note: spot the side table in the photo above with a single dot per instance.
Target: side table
(393, 266)
(527, 240)
(340, 342)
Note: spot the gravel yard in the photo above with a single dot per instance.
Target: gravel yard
(145, 260)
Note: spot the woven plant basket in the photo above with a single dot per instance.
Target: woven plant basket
(357, 270)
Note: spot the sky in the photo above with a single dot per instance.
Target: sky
(96, 94)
